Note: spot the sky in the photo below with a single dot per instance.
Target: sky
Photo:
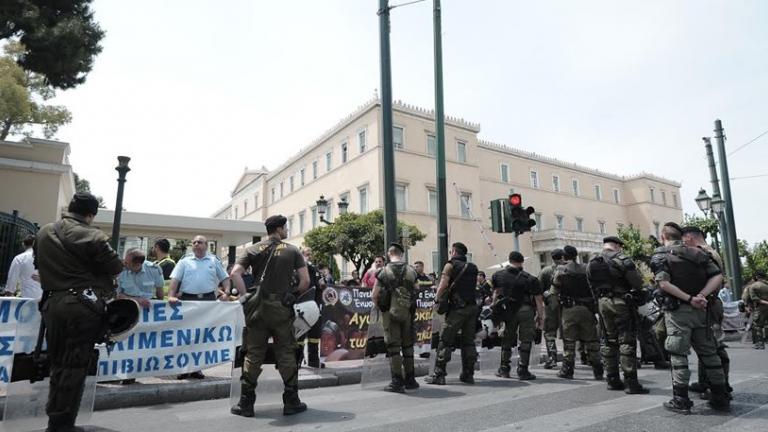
(194, 91)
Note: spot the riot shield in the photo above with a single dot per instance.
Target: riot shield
(26, 400)
(375, 371)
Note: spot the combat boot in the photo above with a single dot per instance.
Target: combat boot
(584, 358)
(437, 377)
(524, 375)
(633, 385)
(760, 345)
(551, 362)
(720, 399)
(244, 408)
(661, 364)
(410, 382)
(396, 385)
(62, 423)
(467, 375)
(597, 371)
(615, 383)
(679, 402)
(503, 372)
(566, 371)
(291, 402)
(698, 387)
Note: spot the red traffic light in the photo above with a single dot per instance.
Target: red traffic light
(515, 200)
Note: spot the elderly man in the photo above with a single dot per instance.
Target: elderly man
(197, 277)
(140, 280)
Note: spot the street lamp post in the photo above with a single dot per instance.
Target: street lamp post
(405, 235)
(122, 169)
(322, 209)
(705, 205)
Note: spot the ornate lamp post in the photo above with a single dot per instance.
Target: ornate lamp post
(122, 169)
(405, 235)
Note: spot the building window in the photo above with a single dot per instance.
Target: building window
(401, 197)
(273, 194)
(575, 187)
(663, 197)
(598, 193)
(361, 143)
(656, 230)
(470, 257)
(619, 226)
(616, 197)
(461, 151)
(436, 262)
(542, 263)
(282, 188)
(301, 223)
(653, 195)
(302, 176)
(559, 222)
(290, 183)
(314, 170)
(313, 216)
(601, 227)
(431, 145)
(537, 218)
(237, 215)
(344, 153)
(432, 201)
(329, 211)
(289, 225)
(579, 224)
(534, 179)
(674, 200)
(256, 201)
(397, 137)
(328, 161)
(556, 183)
(245, 208)
(466, 205)
(363, 196)
(505, 173)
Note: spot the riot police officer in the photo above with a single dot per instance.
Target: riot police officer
(616, 281)
(77, 268)
(516, 293)
(687, 276)
(457, 290)
(552, 307)
(578, 314)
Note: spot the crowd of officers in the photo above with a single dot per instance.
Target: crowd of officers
(77, 268)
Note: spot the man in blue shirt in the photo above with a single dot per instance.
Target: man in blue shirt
(140, 280)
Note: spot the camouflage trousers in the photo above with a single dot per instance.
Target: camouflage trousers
(462, 320)
(274, 320)
(399, 338)
(620, 347)
(518, 322)
(686, 329)
(579, 323)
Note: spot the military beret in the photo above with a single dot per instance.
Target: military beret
(613, 239)
(570, 251)
(557, 253)
(397, 246)
(84, 203)
(275, 221)
(673, 225)
(516, 257)
(692, 229)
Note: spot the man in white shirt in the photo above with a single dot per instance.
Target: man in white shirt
(23, 274)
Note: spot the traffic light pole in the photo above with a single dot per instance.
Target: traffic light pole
(442, 205)
(517, 242)
(388, 168)
(730, 225)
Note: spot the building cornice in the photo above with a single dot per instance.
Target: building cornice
(32, 166)
(569, 165)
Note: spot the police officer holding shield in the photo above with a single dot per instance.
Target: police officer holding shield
(77, 269)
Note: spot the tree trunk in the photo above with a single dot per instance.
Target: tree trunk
(5, 130)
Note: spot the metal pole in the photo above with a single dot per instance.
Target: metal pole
(715, 196)
(442, 205)
(730, 224)
(390, 206)
(517, 243)
(122, 169)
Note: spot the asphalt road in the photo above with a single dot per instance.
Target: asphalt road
(547, 404)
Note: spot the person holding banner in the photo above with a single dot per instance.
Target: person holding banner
(269, 313)
(395, 295)
(77, 270)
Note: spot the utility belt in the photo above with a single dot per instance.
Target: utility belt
(568, 302)
(670, 303)
(203, 296)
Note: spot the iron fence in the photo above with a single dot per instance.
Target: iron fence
(13, 229)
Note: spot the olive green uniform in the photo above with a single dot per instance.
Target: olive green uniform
(615, 286)
(552, 316)
(759, 291)
(77, 274)
(269, 314)
(578, 315)
(687, 327)
(400, 280)
(517, 288)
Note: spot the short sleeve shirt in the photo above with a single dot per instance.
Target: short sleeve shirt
(141, 283)
(285, 260)
(199, 275)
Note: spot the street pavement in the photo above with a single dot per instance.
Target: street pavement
(547, 404)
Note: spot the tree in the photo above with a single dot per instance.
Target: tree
(22, 97)
(60, 38)
(710, 226)
(83, 185)
(756, 258)
(358, 238)
(636, 246)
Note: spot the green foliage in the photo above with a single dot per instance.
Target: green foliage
(636, 246)
(83, 185)
(356, 237)
(710, 226)
(756, 258)
(22, 97)
(178, 251)
(60, 38)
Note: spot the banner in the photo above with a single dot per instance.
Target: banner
(168, 340)
(346, 315)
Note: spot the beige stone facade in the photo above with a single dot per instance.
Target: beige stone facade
(37, 179)
(574, 204)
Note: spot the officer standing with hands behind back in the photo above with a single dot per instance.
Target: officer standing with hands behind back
(269, 313)
(77, 270)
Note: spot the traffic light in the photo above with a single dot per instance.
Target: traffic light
(520, 218)
(497, 217)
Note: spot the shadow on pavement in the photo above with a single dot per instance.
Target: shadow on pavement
(433, 392)
(311, 416)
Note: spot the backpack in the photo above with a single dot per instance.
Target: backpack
(402, 298)
(602, 273)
